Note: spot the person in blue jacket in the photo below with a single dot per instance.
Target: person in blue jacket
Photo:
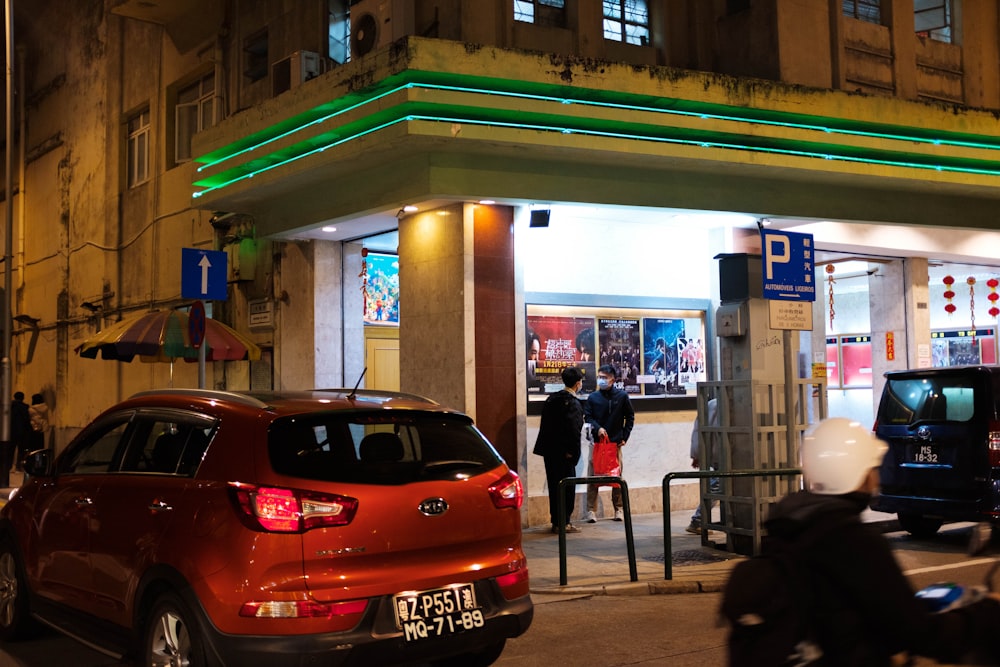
(609, 412)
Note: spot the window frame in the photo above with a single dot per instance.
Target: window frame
(256, 65)
(619, 27)
(941, 33)
(852, 9)
(190, 114)
(550, 13)
(137, 134)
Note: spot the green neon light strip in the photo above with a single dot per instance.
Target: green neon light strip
(591, 127)
(589, 97)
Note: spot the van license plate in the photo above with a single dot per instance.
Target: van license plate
(437, 613)
(925, 454)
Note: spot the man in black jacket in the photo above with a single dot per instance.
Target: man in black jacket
(559, 442)
(864, 608)
(609, 412)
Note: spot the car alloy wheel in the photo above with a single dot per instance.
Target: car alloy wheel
(171, 635)
(14, 618)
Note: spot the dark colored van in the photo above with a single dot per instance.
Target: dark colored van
(943, 432)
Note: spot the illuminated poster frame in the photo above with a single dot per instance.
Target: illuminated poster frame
(959, 347)
(660, 353)
(381, 289)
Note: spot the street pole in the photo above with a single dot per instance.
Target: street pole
(8, 251)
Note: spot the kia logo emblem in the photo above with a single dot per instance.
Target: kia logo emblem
(924, 432)
(433, 506)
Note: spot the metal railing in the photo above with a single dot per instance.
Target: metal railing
(626, 510)
(668, 560)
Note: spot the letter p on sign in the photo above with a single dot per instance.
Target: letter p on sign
(778, 252)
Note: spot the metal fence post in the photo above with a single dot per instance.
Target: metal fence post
(626, 508)
(668, 559)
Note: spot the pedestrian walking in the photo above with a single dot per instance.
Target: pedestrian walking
(20, 429)
(38, 412)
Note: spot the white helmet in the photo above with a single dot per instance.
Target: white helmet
(837, 454)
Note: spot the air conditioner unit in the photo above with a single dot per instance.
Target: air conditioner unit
(376, 23)
(289, 72)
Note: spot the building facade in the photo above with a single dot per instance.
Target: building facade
(295, 136)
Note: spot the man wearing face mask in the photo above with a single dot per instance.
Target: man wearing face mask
(609, 412)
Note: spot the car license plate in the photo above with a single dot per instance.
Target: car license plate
(925, 454)
(436, 613)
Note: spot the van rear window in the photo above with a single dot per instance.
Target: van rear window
(940, 398)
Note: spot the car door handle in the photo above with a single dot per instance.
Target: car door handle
(160, 506)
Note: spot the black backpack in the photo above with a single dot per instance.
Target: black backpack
(768, 602)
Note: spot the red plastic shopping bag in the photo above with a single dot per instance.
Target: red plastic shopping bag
(606, 459)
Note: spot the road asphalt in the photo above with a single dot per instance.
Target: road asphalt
(597, 557)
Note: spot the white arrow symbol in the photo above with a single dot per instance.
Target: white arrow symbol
(204, 264)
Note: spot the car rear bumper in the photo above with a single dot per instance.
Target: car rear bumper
(364, 646)
(943, 508)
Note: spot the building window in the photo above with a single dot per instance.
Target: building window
(339, 32)
(626, 21)
(255, 62)
(137, 160)
(864, 10)
(195, 111)
(541, 12)
(932, 18)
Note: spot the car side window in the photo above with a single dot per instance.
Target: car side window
(97, 453)
(166, 447)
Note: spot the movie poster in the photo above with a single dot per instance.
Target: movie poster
(661, 362)
(619, 346)
(555, 343)
(381, 289)
(690, 362)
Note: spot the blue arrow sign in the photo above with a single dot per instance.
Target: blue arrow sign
(788, 266)
(203, 274)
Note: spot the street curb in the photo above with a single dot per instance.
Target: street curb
(684, 585)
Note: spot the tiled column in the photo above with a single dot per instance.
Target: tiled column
(898, 302)
(456, 335)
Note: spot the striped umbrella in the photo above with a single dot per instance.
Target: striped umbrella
(163, 335)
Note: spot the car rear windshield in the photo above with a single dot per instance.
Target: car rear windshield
(379, 447)
(933, 398)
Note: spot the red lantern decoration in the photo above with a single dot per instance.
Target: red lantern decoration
(992, 283)
(949, 294)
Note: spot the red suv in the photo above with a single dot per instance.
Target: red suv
(217, 528)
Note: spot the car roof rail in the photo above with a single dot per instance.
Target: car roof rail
(377, 393)
(216, 394)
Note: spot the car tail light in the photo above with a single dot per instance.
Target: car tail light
(995, 444)
(514, 584)
(507, 491)
(302, 609)
(281, 510)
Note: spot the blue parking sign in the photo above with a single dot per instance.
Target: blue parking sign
(788, 266)
(203, 274)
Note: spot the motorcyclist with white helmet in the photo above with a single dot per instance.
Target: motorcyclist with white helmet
(863, 606)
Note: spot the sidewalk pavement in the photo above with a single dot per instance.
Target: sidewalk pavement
(597, 557)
